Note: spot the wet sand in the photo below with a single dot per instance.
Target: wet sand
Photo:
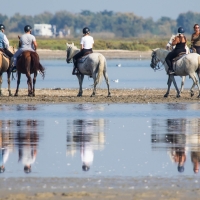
(59, 95)
(99, 188)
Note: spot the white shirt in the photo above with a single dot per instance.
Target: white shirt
(87, 42)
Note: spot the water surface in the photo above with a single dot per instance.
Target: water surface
(100, 140)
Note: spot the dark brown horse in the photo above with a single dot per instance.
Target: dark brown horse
(28, 63)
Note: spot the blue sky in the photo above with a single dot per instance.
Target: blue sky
(143, 8)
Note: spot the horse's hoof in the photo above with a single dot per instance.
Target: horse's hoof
(109, 95)
(198, 96)
(33, 95)
(79, 95)
(10, 95)
(166, 95)
(192, 94)
(30, 95)
(16, 95)
(178, 95)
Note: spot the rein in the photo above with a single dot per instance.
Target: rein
(158, 67)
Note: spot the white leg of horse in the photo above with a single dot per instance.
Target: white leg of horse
(175, 85)
(80, 79)
(169, 82)
(1, 81)
(107, 82)
(193, 77)
(182, 83)
(94, 90)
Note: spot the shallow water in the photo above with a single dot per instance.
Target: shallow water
(100, 140)
(131, 74)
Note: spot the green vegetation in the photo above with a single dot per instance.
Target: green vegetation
(120, 25)
(133, 44)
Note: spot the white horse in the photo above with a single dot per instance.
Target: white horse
(187, 65)
(93, 64)
(169, 47)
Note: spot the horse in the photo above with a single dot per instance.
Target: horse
(169, 47)
(187, 65)
(5, 66)
(93, 64)
(28, 63)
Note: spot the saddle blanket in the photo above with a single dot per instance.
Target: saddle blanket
(82, 59)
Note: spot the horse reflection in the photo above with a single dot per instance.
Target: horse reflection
(6, 143)
(27, 140)
(179, 137)
(85, 136)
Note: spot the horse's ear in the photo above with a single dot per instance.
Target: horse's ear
(72, 44)
(153, 50)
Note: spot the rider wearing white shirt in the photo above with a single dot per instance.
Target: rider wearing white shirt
(87, 42)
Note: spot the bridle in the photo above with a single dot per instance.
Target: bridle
(155, 62)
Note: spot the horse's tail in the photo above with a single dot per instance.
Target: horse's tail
(101, 68)
(36, 64)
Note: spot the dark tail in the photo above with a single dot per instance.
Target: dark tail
(36, 64)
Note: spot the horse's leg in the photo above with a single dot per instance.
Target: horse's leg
(1, 81)
(169, 82)
(34, 81)
(107, 82)
(18, 82)
(175, 85)
(80, 79)
(182, 83)
(94, 89)
(195, 82)
(8, 79)
(29, 82)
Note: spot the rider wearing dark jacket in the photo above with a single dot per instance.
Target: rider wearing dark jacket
(180, 42)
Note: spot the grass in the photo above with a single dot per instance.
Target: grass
(133, 44)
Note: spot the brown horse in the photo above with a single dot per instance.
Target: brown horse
(28, 63)
(5, 67)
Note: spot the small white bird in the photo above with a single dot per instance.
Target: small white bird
(118, 65)
(116, 81)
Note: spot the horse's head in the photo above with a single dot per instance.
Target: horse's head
(169, 46)
(70, 52)
(154, 59)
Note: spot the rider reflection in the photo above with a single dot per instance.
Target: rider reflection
(86, 136)
(27, 140)
(6, 143)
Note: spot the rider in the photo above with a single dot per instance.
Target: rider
(87, 42)
(4, 43)
(195, 39)
(180, 42)
(27, 42)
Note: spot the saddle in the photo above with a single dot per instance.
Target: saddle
(180, 55)
(84, 57)
(4, 54)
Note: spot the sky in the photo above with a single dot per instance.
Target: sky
(143, 8)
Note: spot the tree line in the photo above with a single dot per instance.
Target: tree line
(119, 24)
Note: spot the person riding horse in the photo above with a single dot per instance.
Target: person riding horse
(27, 43)
(180, 42)
(87, 42)
(4, 43)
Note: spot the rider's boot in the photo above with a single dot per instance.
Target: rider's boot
(13, 68)
(75, 69)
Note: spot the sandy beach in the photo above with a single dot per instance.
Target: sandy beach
(59, 95)
(109, 54)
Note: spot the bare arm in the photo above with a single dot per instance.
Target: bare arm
(35, 45)
(81, 47)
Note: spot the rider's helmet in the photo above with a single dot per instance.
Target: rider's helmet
(181, 30)
(27, 28)
(2, 27)
(86, 30)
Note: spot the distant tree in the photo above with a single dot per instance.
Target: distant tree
(43, 18)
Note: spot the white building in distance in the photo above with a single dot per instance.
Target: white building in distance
(44, 30)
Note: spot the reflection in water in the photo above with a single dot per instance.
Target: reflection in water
(23, 134)
(85, 136)
(177, 137)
